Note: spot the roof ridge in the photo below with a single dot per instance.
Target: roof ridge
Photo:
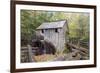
(55, 24)
(56, 21)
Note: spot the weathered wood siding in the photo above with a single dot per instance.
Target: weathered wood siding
(61, 36)
(57, 38)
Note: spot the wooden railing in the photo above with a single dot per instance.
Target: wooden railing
(27, 54)
(82, 51)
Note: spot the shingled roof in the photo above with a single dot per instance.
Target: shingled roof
(50, 25)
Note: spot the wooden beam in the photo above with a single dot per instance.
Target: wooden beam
(78, 48)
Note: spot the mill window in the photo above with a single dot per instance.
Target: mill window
(56, 30)
(42, 31)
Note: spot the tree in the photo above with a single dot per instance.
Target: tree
(78, 23)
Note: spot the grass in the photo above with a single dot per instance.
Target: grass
(44, 57)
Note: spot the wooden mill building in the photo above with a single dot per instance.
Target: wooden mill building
(55, 32)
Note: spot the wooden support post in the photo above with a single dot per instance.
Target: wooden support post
(30, 53)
